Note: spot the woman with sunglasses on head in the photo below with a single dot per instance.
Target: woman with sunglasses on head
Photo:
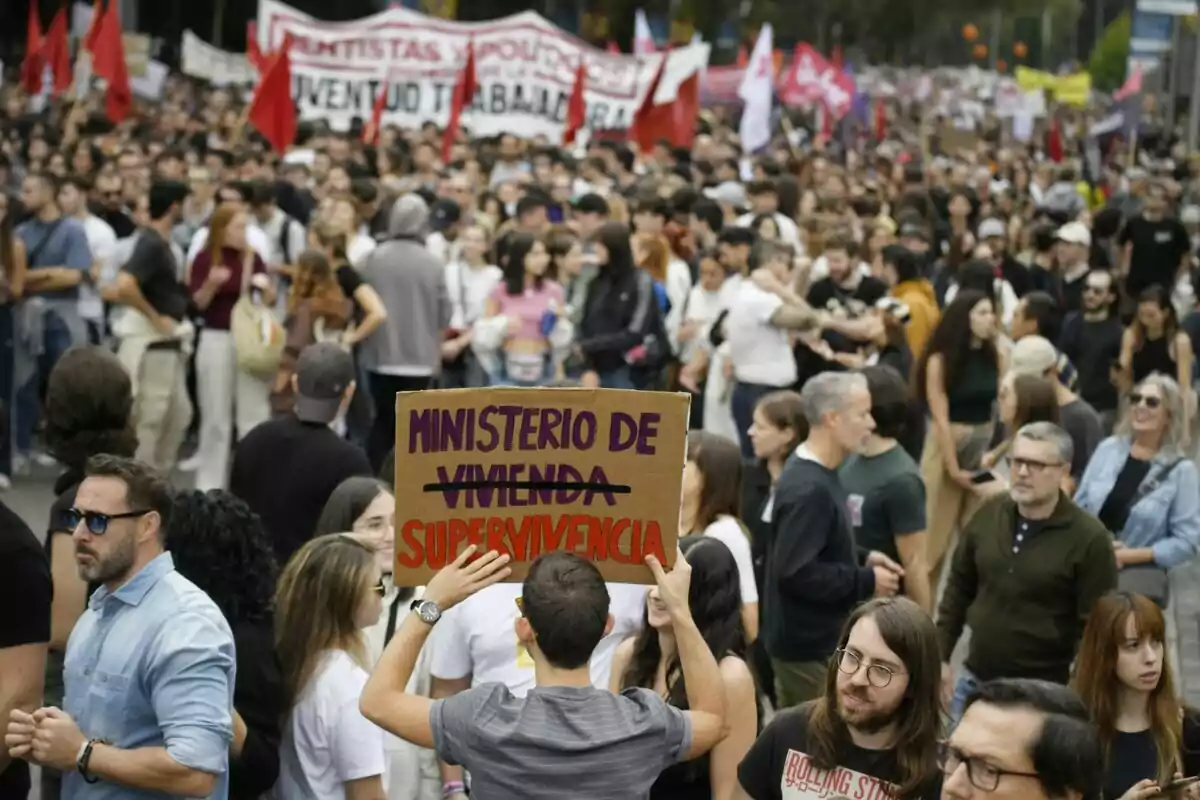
(330, 590)
(650, 660)
(1124, 678)
(1145, 489)
(220, 545)
(365, 508)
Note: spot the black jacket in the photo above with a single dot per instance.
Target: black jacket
(616, 314)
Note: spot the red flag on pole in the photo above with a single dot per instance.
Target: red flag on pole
(464, 92)
(33, 63)
(89, 38)
(253, 54)
(880, 120)
(272, 111)
(1054, 142)
(57, 52)
(370, 134)
(576, 106)
(639, 130)
(613, 48)
(108, 61)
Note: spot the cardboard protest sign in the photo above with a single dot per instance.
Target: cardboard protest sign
(596, 472)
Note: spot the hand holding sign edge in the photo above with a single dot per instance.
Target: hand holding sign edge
(465, 576)
(673, 586)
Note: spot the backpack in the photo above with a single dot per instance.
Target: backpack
(258, 338)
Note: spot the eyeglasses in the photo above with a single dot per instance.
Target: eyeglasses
(380, 588)
(983, 776)
(1033, 466)
(97, 523)
(1148, 400)
(111, 194)
(850, 663)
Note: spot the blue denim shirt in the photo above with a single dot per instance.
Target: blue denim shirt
(152, 665)
(1166, 518)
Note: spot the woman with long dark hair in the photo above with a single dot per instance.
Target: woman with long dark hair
(650, 661)
(12, 286)
(1124, 678)
(621, 334)
(956, 381)
(523, 317)
(711, 506)
(1154, 342)
(220, 545)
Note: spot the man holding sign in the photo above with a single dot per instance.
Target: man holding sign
(504, 741)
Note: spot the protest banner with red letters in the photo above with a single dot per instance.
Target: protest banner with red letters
(524, 63)
(596, 472)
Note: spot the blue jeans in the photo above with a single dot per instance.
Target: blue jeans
(618, 378)
(964, 685)
(56, 340)
(742, 402)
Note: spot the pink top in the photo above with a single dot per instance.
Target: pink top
(529, 306)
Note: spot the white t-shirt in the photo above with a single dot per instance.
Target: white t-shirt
(480, 639)
(727, 529)
(469, 288)
(327, 742)
(256, 237)
(359, 247)
(297, 238)
(102, 241)
(761, 353)
(1004, 291)
(679, 283)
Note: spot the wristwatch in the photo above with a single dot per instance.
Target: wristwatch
(427, 611)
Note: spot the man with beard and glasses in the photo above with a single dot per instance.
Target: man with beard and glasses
(1091, 339)
(874, 731)
(150, 664)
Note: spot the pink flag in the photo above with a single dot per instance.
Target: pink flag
(811, 80)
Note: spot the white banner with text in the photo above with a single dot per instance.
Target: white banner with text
(525, 67)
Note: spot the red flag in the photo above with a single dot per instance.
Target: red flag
(464, 93)
(370, 134)
(835, 57)
(253, 54)
(880, 120)
(272, 110)
(34, 62)
(89, 38)
(641, 130)
(613, 48)
(57, 52)
(1131, 86)
(1054, 142)
(576, 106)
(108, 62)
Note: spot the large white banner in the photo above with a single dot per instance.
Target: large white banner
(202, 60)
(525, 67)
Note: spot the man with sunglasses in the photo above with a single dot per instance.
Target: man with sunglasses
(1028, 568)
(1091, 339)
(1022, 740)
(149, 666)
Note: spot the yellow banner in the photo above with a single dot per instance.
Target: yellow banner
(1071, 89)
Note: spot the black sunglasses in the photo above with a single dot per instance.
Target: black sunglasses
(97, 523)
(1149, 400)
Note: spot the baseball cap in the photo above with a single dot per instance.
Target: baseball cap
(1033, 355)
(444, 214)
(1075, 233)
(592, 203)
(990, 228)
(323, 372)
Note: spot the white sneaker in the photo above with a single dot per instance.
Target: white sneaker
(45, 459)
(189, 464)
(5, 483)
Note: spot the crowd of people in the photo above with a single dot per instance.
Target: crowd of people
(939, 467)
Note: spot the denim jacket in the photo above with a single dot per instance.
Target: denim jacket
(1166, 518)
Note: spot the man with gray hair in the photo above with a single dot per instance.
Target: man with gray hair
(813, 575)
(1028, 568)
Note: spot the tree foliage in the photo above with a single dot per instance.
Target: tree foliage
(1108, 59)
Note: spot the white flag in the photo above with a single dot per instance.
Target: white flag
(643, 39)
(756, 92)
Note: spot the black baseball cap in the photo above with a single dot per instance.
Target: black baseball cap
(592, 203)
(444, 214)
(323, 373)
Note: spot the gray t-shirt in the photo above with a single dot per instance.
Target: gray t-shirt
(1082, 422)
(559, 741)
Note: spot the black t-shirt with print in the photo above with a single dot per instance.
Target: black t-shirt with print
(825, 295)
(1158, 250)
(778, 766)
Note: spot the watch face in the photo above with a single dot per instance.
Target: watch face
(429, 612)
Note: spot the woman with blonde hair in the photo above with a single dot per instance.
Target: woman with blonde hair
(330, 590)
(1124, 678)
(223, 272)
